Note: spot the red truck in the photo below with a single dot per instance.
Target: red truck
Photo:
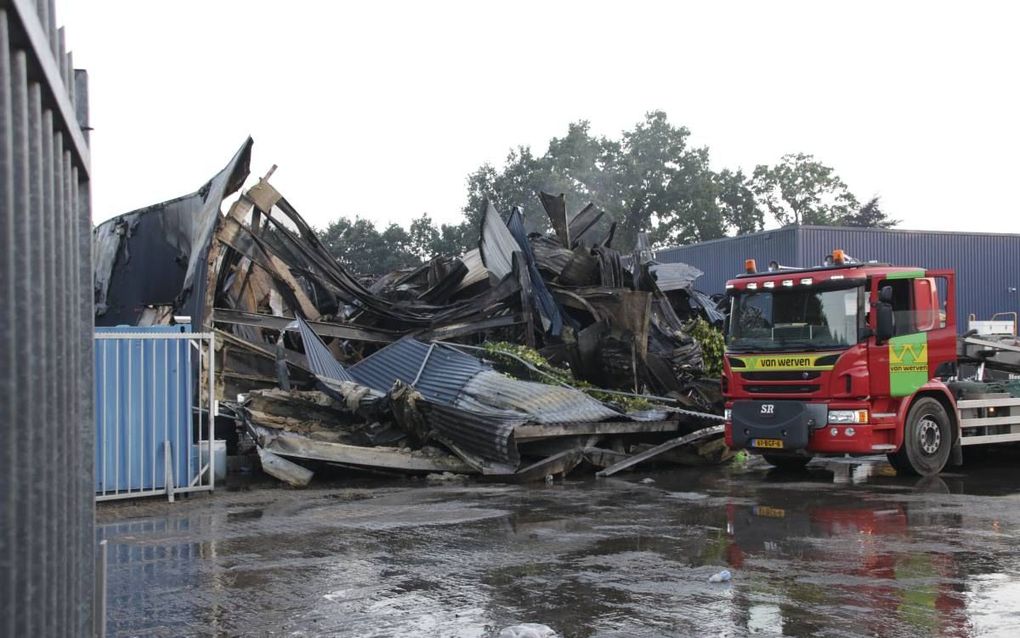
(855, 358)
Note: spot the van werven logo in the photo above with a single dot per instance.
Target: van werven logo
(908, 357)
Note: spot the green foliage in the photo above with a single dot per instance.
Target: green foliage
(650, 179)
(712, 343)
(870, 215)
(428, 241)
(511, 354)
(364, 250)
(653, 179)
(361, 248)
(423, 235)
(516, 185)
(740, 210)
(801, 190)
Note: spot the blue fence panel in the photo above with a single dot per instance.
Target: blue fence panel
(144, 404)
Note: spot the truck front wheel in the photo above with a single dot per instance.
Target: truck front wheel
(927, 439)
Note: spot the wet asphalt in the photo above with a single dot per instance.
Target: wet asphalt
(846, 549)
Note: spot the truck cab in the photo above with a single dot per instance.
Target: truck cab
(844, 358)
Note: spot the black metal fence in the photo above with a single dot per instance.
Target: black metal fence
(46, 400)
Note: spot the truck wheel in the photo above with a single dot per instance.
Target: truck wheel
(897, 464)
(788, 462)
(927, 439)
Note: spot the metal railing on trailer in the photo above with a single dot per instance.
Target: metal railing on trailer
(989, 420)
(155, 412)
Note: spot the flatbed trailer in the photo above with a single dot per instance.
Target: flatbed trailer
(861, 358)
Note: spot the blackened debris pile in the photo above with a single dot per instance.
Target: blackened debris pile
(520, 359)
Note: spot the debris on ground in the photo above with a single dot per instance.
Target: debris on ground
(519, 360)
(720, 577)
(528, 630)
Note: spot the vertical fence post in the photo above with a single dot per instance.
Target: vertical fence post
(168, 463)
(210, 349)
(99, 605)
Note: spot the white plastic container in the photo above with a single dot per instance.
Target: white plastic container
(219, 447)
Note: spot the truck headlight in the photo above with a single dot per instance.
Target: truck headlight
(728, 414)
(848, 416)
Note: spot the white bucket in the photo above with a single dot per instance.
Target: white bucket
(219, 447)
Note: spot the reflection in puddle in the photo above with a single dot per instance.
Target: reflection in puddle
(881, 555)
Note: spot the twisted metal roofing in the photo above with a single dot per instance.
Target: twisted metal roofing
(320, 359)
(541, 403)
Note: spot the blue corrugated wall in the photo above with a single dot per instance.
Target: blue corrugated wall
(723, 259)
(987, 270)
(143, 403)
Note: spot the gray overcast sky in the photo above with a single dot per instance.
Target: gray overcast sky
(382, 109)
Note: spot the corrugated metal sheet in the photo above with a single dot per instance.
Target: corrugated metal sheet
(46, 506)
(987, 274)
(442, 380)
(320, 360)
(547, 306)
(142, 400)
(583, 221)
(497, 245)
(674, 275)
(472, 405)
(540, 402)
(476, 270)
(456, 379)
(400, 360)
(440, 374)
(486, 434)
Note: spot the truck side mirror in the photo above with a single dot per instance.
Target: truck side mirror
(884, 319)
(885, 328)
(885, 294)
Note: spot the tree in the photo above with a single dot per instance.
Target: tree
(516, 185)
(332, 237)
(427, 241)
(665, 185)
(801, 190)
(455, 239)
(362, 249)
(423, 236)
(650, 179)
(740, 210)
(870, 215)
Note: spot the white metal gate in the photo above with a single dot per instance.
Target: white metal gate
(154, 412)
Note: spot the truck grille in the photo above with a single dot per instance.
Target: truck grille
(781, 389)
(793, 375)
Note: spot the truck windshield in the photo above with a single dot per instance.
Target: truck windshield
(795, 319)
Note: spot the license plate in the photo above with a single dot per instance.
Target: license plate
(769, 512)
(768, 443)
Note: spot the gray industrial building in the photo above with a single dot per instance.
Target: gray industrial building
(986, 264)
(47, 551)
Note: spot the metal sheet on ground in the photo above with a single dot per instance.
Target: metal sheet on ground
(714, 430)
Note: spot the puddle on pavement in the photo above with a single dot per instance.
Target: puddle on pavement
(810, 553)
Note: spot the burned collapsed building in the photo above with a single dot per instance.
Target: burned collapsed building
(521, 358)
